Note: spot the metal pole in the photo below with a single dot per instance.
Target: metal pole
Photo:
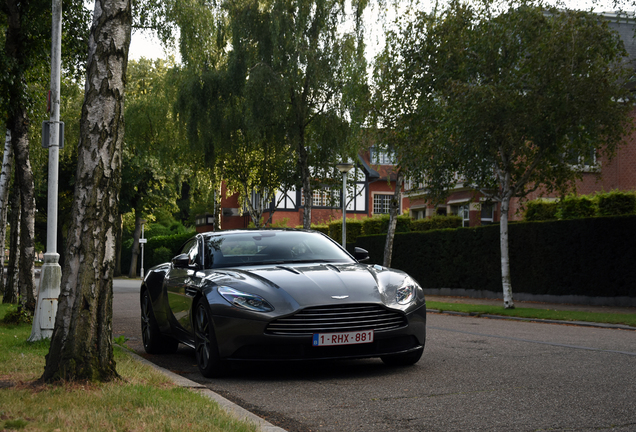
(344, 209)
(142, 250)
(51, 274)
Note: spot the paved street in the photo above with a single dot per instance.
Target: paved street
(476, 374)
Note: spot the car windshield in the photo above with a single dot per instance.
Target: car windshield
(271, 247)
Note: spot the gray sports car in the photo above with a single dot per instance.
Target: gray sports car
(280, 295)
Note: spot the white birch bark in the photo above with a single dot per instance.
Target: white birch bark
(505, 254)
(81, 345)
(5, 177)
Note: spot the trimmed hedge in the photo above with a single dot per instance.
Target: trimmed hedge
(590, 257)
(615, 203)
(354, 229)
(380, 224)
(158, 250)
(541, 210)
(436, 222)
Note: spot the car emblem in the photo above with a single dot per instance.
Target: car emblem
(339, 297)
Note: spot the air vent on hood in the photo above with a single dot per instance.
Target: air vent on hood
(325, 319)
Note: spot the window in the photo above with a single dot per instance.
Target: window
(382, 156)
(192, 249)
(583, 161)
(382, 203)
(463, 211)
(323, 198)
(487, 213)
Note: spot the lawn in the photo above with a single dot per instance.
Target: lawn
(142, 400)
(598, 317)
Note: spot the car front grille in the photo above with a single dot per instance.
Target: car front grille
(341, 318)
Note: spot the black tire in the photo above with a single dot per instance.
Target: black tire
(406, 359)
(154, 341)
(206, 347)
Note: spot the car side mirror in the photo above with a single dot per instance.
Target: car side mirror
(362, 255)
(181, 261)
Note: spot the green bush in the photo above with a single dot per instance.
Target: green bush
(322, 228)
(354, 229)
(372, 225)
(540, 210)
(436, 222)
(616, 203)
(379, 224)
(171, 243)
(572, 207)
(162, 254)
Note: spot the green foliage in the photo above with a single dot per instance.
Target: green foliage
(573, 206)
(354, 229)
(284, 89)
(585, 256)
(322, 228)
(158, 250)
(616, 203)
(504, 89)
(540, 210)
(16, 315)
(162, 254)
(436, 222)
(154, 163)
(379, 224)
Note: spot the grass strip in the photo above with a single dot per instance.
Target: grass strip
(549, 314)
(143, 400)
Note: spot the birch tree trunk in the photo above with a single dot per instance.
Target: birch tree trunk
(18, 124)
(394, 211)
(505, 255)
(81, 345)
(11, 288)
(307, 192)
(5, 180)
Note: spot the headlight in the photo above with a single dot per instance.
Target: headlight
(406, 293)
(244, 300)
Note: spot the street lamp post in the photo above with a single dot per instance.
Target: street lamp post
(142, 242)
(344, 168)
(51, 273)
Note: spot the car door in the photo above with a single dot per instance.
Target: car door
(181, 285)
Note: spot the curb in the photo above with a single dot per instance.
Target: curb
(539, 320)
(228, 406)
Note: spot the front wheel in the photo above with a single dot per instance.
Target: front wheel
(206, 347)
(154, 341)
(405, 359)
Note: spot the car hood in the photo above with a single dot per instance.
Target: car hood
(301, 285)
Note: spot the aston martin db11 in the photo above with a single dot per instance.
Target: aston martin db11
(280, 295)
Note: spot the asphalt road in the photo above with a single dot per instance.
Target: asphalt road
(476, 375)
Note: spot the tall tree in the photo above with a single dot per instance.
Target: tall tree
(153, 165)
(292, 62)
(503, 95)
(24, 56)
(81, 345)
(318, 64)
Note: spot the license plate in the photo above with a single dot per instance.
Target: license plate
(346, 338)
